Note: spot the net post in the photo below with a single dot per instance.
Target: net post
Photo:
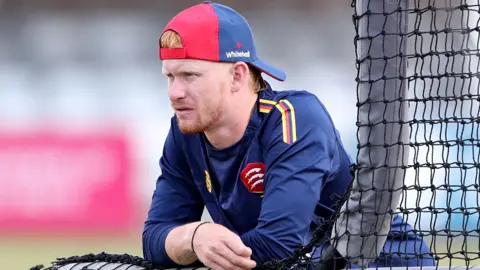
(364, 220)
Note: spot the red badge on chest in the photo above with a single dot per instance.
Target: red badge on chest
(252, 177)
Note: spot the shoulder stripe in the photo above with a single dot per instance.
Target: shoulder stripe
(292, 119)
(266, 105)
(265, 108)
(267, 101)
(289, 128)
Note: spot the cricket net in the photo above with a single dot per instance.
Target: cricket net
(418, 132)
(418, 141)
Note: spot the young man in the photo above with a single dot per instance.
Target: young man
(268, 165)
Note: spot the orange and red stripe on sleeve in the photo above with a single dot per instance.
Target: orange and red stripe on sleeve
(289, 128)
(266, 105)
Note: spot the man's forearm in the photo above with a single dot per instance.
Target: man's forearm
(178, 244)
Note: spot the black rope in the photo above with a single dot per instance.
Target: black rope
(124, 259)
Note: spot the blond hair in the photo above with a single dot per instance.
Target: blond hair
(171, 39)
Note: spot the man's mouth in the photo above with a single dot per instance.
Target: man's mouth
(183, 111)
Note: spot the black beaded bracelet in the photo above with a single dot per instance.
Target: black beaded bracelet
(195, 231)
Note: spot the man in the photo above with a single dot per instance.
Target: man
(268, 165)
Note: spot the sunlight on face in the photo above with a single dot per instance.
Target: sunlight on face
(197, 92)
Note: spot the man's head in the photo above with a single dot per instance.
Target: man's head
(210, 59)
(200, 91)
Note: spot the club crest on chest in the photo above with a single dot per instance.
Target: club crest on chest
(252, 177)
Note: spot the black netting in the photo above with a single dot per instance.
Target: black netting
(440, 190)
(421, 58)
(100, 261)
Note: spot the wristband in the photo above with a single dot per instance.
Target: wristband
(195, 231)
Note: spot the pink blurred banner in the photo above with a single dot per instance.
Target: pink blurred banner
(65, 182)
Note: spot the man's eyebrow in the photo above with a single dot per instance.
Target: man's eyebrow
(167, 73)
(191, 72)
(182, 73)
(184, 69)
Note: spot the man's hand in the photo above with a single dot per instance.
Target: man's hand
(219, 248)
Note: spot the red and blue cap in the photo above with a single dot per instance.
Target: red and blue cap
(215, 32)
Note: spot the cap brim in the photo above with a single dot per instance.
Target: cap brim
(270, 70)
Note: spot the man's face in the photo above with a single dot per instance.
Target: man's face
(197, 91)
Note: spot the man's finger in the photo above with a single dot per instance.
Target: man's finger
(213, 265)
(235, 259)
(214, 260)
(237, 246)
(221, 260)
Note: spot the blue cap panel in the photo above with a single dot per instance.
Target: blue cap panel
(270, 70)
(234, 36)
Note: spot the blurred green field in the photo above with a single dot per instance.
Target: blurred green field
(23, 253)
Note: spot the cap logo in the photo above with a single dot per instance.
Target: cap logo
(238, 53)
(231, 54)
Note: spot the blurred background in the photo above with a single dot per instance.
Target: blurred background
(84, 112)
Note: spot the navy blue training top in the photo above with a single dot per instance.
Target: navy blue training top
(272, 188)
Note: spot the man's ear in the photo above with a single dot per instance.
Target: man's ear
(240, 74)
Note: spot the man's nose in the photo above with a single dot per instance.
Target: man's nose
(176, 90)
